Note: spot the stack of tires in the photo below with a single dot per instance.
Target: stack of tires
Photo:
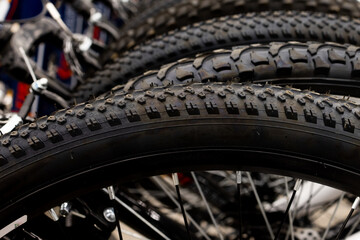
(259, 85)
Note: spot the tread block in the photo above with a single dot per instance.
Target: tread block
(172, 110)
(101, 109)
(321, 66)
(201, 95)
(357, 114)
(24, 134)
(3, 161)
(112, 119)
(348, 125)
(211, 108)
(355, 68)
(192, 108)
(93, 124)
(329, 120)
(335, 57)
(5, 142)
(301, 101)
(182, 75)
(81, 114)
(73, 129)
(161, 97)
(16, 151)
(245, 72)
(271, 110)
(182, 96)
(209, 89)
(281, 98)
(220, 66)
(310, 116)
(43, 126)
(206, 76)
(257, 60)
(262, 96)
(231, 107)
(282, 66)
(54, 136)
(340, 109)
(249, 90)
(152, 112)
(290, 112)
(321, 105)
(169, 92)
(61, 120)
(189, 90)
(313, 48)
(251, 108)
(132, 115)
(35, 143)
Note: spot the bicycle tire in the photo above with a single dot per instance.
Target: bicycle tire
(187, 12)
(202, 126)
(219, 33)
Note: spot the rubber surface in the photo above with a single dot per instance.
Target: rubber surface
(189, 11)
(224, 33)
(138, 133)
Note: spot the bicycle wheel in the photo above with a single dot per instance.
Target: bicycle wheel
(187, 12)
(219, 33)
(197, 127)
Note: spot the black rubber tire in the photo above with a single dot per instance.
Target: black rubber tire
(187, 12)
(222, 33)
(202, 126)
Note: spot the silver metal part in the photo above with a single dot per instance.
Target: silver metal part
(12, 226)
(109, 214)
(65, 209)
(175, 178)
(86, 44)
(132, 211)
(306, 233)
(356, 203)
(111, 192)
(297, 184)
(77, 214)
(39, 85)
(53, 215)
(13, 122)
(95, 17)
(238, 177)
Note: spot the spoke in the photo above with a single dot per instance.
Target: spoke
(353, 227)
(32, 235)
(332, 217)
(132, 211)
(295, 209)
(172, 198)
(308, 204)
(290, 218)
(111, 193)
(260, 205)
(353, 207)
(296, 187)
(176, 183)
(238, 184)
(207, 205)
